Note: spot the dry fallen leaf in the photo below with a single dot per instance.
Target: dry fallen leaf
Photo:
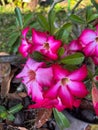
(5, 84)
(5, 68)
(42, 117)
(22, 128)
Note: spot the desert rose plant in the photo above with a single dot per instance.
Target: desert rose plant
(55, 73)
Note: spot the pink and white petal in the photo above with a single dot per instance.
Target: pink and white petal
(65, 96)
(77, 89)
(23, 73)
(37, 94)
(28, 88)
(44, 76)
(51, 55)
(87, 36)
(74, 46)
(59, 72)
(53, 91)
(39, 37)
(90, 49)
(25, 31)
(33, 65)
(54, 44)
(79, 74)
(24, 48)
(60, 106)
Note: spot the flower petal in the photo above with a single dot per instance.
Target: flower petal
(77, 89)
(89, 50)
(59, 72)
(95, 59)
(38, 37)
(87, 36)
(37, 94)
(66, 97)
(79, 74)
(33, 65)
(44, 76)
(54, 44)
(95, 98)
(25, 31)
(24, 48)
(53, 91)
(74, 46)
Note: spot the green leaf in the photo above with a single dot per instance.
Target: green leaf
(76, 19)
(19, 16)
(51, 20)
(92, 17)
(43, 22)
(61, 120)
(95, 4)
(10, 117)
(15, 109)
(3, 115)
(61, 51)
(27, 19)
(2, 108)
(73, 59)
(12, 38)
(64, 32)
(37, 56)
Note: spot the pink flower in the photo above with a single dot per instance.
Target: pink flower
(95, 59)
(48, 103)
(68, 85)
(74, 46)
(26, 46)
(89, 41)
(35, 76)
(95, 98)
(45, 44)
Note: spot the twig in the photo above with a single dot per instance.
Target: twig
(76, 5)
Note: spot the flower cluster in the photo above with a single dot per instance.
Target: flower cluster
(50, 83)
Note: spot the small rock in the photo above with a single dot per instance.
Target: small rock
(88, 115)
(26, 101)
(19, 119)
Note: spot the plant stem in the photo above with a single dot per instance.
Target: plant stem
(76, 5)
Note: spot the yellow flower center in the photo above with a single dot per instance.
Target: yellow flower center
(64, 81)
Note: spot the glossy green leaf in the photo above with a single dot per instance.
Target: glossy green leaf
(92, 17)
(63, 32)
(19, 16)
(51, 20)
(12, 38)
(37, 56)
(61, 120)
(43, 22)
(15, 109)
(27, 19)
(61, 51)
(77, 19)
(73, 59)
